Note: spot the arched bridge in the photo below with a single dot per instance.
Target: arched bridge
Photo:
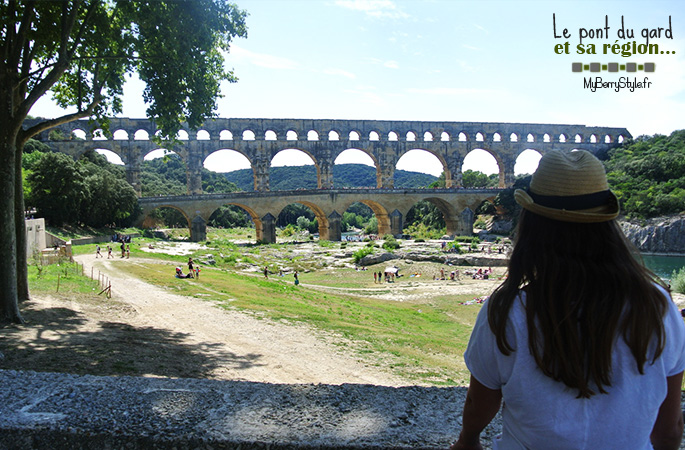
(385, 142)
(389, 205)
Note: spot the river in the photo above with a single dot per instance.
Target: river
(664, 266)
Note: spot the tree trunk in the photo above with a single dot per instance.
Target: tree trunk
(9, 298)
(20, 228)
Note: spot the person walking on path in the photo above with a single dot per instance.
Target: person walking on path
(266, 272)
(97, 251)
(109, 252)
(297, 280)
(581, 341)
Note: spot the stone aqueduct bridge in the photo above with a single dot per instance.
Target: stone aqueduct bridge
(385, 142)
(389, 205)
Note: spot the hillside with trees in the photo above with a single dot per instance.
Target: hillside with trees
(344, 176)
(648, 175)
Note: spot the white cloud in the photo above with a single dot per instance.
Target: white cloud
(263, 59)
(382, 9)
(340, 72)
(450, 91)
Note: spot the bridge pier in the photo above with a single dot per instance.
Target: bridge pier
(268, 229)
(198, 229)
(396, 223)
(466, 222)
(334, 227)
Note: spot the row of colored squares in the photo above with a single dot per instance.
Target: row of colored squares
(612, 67)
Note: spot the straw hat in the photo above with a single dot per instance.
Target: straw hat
(570, 187)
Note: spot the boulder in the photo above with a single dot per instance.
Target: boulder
(659, 235)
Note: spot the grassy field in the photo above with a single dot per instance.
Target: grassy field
(421, 339)
(425, 341)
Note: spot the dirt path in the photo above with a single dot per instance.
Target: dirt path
(248, 348)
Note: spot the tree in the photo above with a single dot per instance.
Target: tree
(81, 51)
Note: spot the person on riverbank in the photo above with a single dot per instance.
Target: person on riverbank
(583, 344)
(97, 251)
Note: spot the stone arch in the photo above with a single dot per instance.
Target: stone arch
(463, 137)
(225, 135)
(451, 221)
(112, 156)
(501, 168)
(319, 213)
(79, 133)
(256, 220)
(608, 139)
(119, 135)
(578, 138)
(411, 136)
(291, 135)
(228, 158)
(182, 135)
(393, 136)
(594, 138)
(148, 221)
(427, 136)
(270, 135)
(445, 136)
(546, 138)
(203, 135)
(526, 161)
(355, 150)
(530, 137)
(480, 137)
(312, 135)
(333, 135)
(563, 137)
(353, 135)
(374, 135)
(413, 153)
(381, 213)
(248, 135)
(513, 137)
(496, 137)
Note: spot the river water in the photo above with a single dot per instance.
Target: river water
(664, 266)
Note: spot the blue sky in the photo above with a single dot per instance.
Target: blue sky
(440, 60)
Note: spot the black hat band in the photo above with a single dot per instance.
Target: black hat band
(572, 202)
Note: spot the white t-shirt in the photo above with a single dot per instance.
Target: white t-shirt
(540, 413)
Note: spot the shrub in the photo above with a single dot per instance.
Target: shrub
(362, 252)
(390, 243)
(678, 281)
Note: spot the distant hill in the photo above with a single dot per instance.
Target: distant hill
(344, 175)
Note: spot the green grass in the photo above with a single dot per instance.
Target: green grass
(425, 341)
(65, 278)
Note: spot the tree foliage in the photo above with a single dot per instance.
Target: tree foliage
(87, 191)
(648, 175)
(81, 52)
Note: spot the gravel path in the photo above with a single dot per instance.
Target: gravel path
(246, 348)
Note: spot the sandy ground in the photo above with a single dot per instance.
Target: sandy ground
(252, 349)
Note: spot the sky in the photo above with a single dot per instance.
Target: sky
(442, 60)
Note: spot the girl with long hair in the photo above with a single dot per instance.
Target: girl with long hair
(583, 344)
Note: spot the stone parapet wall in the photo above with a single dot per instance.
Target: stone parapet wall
(62, 411)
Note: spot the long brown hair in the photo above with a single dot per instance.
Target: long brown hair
(584, 288)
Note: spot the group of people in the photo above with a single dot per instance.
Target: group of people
(193, 270)
(125, 251)
(388, 276)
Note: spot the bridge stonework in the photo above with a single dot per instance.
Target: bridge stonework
(385, 142)
(389, 205)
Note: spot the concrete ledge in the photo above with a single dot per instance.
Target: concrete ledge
(63, 411)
